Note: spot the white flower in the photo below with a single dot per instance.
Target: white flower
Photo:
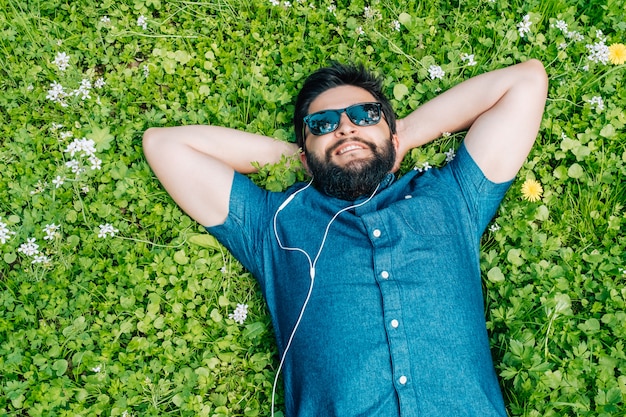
(600, 35)
(5, 233)
(99, 83)
(577, 37)
(30, 87)
(107, 229)
(84, 145)
(65, 135)
(287, 3)
(359, 31)
(74, 165)
(85, 189)
(598, 52)
(142, 22)
(395, 25)
(371, 13)
(39, 187)
(435, 71)
(51, 231)
(425, 167)
(146, 70)
(523, 27)
(275, 2)
(240, 313)
(30, 248)
(450, 155)
(57, 93)
(83, 90)
(105, 20)
(56, 126)
(332, 8)
(96, 369)
(62, 61)
(96, 163)
(469, 59)
(223, 270)
(58, 181)
(494, 227)
(596, 102)
(41, 259)
(561, 25)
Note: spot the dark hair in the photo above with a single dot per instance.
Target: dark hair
(337, 75)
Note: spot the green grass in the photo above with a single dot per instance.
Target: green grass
(138, 323)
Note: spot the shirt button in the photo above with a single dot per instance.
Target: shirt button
(377, 233)
(395, 323)
(402, 380)
(384, 274)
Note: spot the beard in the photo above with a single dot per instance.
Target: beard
(356, 178)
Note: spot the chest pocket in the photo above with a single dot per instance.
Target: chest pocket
(427, 216)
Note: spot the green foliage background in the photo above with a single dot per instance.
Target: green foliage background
(137, 323)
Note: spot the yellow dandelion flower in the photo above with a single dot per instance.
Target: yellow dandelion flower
(617, 53)
(531, 190)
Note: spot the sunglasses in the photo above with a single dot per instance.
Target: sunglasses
(326, 121)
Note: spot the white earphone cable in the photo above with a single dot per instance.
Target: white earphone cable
(312, 264)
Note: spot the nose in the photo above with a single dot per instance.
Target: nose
(346, 126)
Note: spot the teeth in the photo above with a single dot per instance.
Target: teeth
(349, 148)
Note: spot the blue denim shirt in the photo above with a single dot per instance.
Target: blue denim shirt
(395, 324)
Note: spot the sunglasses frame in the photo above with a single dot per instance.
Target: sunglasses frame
(339, 112)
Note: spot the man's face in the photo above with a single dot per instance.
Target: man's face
(352, 160)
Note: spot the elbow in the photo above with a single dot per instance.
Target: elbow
(149, 141)
(537, 73)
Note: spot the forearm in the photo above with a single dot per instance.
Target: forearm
(457, 109)
(234, 148)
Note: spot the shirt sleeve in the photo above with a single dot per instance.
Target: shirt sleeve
(482, 195)
(249, 214)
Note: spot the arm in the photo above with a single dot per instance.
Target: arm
(502, 110)
(195, 164)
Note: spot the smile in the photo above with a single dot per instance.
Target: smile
(349, 148)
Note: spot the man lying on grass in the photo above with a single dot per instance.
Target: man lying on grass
(372, 282)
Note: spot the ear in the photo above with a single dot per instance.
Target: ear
(399, 152)
(395, 141)
(304, 161)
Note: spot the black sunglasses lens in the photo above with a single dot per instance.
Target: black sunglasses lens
(366, 114)
(323, 122)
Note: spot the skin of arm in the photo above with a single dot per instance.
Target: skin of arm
(196, 164)
(502, 110)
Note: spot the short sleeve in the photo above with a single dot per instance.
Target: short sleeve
(249, 215)
(482, 195)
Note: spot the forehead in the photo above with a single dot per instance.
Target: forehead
(340, 97)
